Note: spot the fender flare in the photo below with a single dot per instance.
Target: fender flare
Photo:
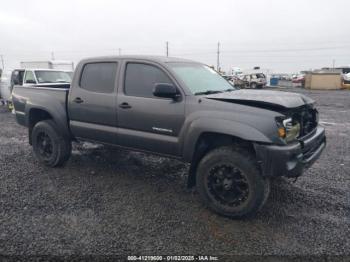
(55, 110)
(220, 126)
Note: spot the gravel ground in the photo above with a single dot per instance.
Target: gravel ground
(110, 202)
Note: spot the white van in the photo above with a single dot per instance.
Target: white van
(5, 89)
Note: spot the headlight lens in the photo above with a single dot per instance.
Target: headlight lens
(288, 129)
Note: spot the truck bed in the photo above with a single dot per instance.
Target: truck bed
(25, 98)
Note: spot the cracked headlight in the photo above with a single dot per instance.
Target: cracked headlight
(288, 129)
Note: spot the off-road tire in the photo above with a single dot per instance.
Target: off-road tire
(253, 85)
(61, 146)
(259, 187)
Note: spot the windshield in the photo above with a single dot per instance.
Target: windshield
(53, 76)
(260, 75)
(201, 79)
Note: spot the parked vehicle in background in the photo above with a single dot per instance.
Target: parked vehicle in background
(346, 80)
(227, 77)
(235, 140)
(51, 64)
(255, 80)
(233, 80)
(41, 77)
(236, 81)
(5, 89)
(299, 79)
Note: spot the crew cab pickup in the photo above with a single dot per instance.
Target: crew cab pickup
(235, 140)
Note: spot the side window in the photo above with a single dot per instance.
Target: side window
(99, 77)
(141, 78)
(29, 78)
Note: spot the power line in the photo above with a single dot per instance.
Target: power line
(288, 49)
(268, 50)
(23, 52)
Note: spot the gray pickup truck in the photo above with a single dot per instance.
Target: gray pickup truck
(235, 140)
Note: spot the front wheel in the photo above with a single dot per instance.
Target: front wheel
(230, 183)
(49, 146)
(253, 85)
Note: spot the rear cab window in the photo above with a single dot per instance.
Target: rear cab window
(99, 77)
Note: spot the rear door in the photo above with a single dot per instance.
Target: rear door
(92, 102)
(147, 122)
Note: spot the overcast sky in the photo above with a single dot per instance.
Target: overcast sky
(283, 36)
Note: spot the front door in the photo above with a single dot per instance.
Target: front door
(147, 122)
(92, 101)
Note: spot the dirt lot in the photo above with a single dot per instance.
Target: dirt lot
(107, 201)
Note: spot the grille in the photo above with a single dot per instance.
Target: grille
(308, 118)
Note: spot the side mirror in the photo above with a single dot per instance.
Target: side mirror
(165, 90)
(29, 81)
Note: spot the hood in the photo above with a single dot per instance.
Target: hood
(273, 100)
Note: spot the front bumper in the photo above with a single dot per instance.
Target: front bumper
(290, 160)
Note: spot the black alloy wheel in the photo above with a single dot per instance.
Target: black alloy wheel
(45, 145)
(228, 185)
(49, 145)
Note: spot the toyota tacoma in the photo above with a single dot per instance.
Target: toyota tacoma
(235, 140)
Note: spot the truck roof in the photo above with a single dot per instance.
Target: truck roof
(159, 59)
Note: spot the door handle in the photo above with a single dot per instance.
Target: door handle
(78, 100)
(125, 105)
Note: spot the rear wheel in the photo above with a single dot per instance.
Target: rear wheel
(50, 147)
(230, 183)
(253, 85)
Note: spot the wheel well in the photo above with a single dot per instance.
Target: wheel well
(209, 141)
(35, 116)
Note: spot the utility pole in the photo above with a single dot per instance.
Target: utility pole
(120, 51)
(52, 55)
(167, 48)
(218, 58)
(2, 61)
(333, 64)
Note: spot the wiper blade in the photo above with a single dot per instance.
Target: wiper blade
(208, 92)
